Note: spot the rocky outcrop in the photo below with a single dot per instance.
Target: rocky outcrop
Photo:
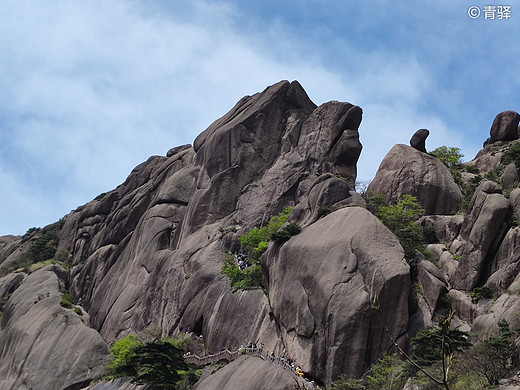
(505, 127)
(447, 227)
(8, 244)
(480, 236)
(506, 265)
(117, 384)
(250, 373)
(418, 140)
(407, 171)
(320, 286)
(509, 178)
(505, 307)
(150, 251)
(39, 337)
(433, 284)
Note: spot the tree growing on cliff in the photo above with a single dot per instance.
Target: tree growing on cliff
(433, 350)
(492, 358)
(256, 240)
(159, 363)
(401, 218)
(449, 156)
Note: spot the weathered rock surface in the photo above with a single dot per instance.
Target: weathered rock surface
(433, 284)
(506, 265)
(8, 244)
(8, 284)
(418, 140)
(509, 178)
(43, 345)
(480, 236)
(118, 384)
(505, 307)
(466, 309)
(514, 199)
(447, 227)
(250, 373)
(149, 252)
(407, 171)
(320, 286)
(505, 127)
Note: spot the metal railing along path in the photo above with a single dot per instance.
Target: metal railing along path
(228, 355)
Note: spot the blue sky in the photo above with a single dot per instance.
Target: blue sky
(91, 89)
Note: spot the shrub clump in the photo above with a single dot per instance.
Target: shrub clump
(44, 244)
(248, 279)
(449, 156)
(67, 300)
(479, 293)
(255, 243)
(286, 232)
(159, 363)
(401, 218)
(256, 240)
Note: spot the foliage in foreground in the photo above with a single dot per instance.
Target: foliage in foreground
(159, 363)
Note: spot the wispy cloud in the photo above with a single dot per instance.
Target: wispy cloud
(91, 89)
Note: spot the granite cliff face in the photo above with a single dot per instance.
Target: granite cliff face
(149, 253)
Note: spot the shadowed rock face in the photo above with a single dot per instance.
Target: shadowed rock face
(480, 235)
(407, 171)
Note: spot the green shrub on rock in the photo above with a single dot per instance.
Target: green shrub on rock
(158, 363)
(449, 156)
(286, 232)
(256, 240)
(401, 218)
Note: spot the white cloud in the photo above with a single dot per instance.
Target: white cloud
(91, 89)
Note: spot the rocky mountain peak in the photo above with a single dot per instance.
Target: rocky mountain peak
(150, 253)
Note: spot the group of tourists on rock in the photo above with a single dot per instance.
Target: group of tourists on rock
(243, 263)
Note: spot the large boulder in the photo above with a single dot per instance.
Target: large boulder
(506, 265)
(44, 345)
(447, 227)
(505, 127)
(407, 171)
(250, 373)
(418, 140)
(480, 236)
(433, 284)
(321, 283)
(510, 178)
(506, 306)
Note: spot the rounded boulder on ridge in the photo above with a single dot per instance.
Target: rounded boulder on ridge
(407, 171)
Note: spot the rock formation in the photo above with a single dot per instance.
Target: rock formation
(407, 171)
(39, 337)
(505, 127)
(418, 140)
(349, 253)
(149, 253)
